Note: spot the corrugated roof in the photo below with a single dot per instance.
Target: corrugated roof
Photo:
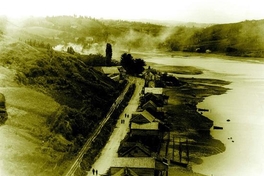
(134, 162)
(145, 126)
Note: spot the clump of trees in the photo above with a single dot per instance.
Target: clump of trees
(70, 50)
(131, 65)
(108, 54)
(93, 59)
(39, 44)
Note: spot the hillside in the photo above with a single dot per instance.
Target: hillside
(89, 35)
(239, 39)
(61, 75)
(75, 95)
(35, 77)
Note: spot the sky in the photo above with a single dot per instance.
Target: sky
(200, 11)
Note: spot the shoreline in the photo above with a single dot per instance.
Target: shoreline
(186, 122)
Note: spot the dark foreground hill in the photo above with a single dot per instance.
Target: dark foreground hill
(85, 95)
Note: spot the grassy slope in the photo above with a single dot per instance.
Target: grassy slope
(28, 62)
(25, 146)
(41, 86)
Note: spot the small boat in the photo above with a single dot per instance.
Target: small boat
(218, 128)
(201, 109)
(228, 120)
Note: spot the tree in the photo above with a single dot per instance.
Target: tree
(139, 66)
(132, 66)
(70, 50)
(108, 54)
(127, 61)
(93, 59)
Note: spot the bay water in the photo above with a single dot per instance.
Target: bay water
(240, 111)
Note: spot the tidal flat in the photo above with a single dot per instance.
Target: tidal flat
(184, 119)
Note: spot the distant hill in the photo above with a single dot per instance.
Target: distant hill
(241, 39)
(90, 35)
(174, 23)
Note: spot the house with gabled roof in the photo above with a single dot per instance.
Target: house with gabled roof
(145, 121)
(143, 117)
(145, 126)
(159, 99)
(147, 129)
(148, 166)
(152, 108)
(151, 76)
(133, 149)
(126, 172)
(150, 105)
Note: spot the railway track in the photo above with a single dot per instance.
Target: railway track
(76, 163)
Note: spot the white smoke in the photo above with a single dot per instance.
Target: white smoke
(94, 48)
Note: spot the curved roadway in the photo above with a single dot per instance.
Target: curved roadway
(103, 162)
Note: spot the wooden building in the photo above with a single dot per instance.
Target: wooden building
(133, 149)
(138, 166)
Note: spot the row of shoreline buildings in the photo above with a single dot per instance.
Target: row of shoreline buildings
(144, 149)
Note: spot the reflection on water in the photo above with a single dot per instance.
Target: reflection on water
(243, 135)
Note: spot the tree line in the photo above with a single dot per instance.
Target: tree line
(36, 43)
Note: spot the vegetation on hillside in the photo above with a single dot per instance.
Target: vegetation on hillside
(84, 93)
(89, 35)
(239, 39)
(106, 132)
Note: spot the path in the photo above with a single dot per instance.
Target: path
(76, 163)
(109, 152)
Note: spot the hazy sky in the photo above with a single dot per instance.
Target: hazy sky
(206, 11)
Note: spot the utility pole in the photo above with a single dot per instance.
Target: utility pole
(187, 151)
(173, 145)
(180, 149)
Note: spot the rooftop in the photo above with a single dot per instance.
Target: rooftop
(154, 90)
(134, 162)
(146, 126)
(145, 114)
(110, 70)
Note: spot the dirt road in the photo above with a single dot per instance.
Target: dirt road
(109, 152)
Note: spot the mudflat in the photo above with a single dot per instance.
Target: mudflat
(186, 121)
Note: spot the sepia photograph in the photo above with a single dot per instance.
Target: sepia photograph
(131, 88)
